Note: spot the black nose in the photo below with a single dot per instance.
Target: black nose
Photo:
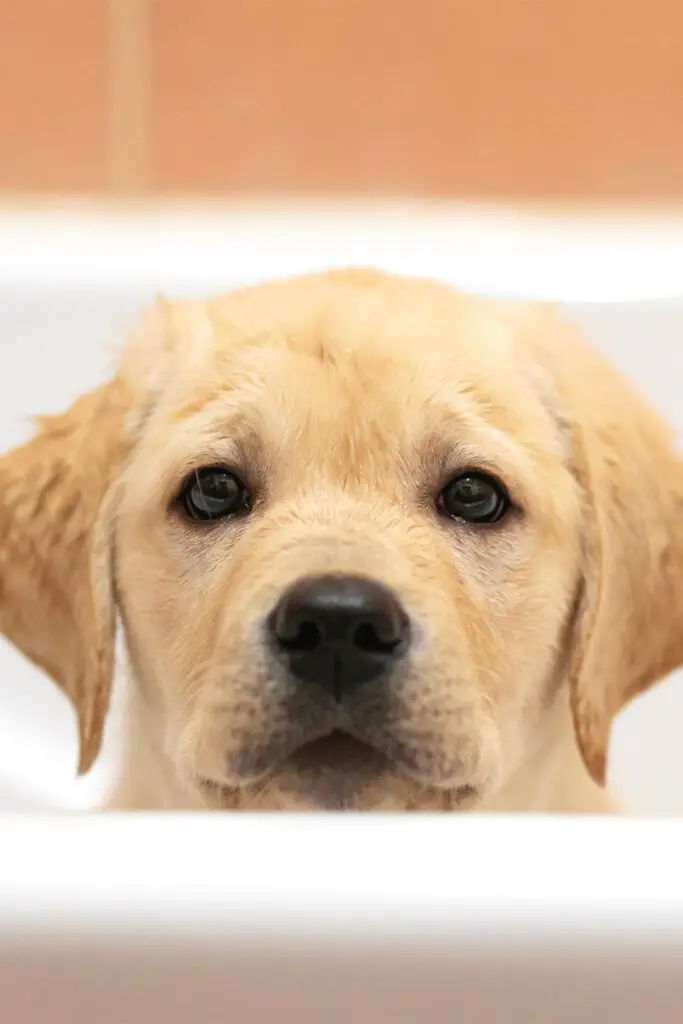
(339, 631)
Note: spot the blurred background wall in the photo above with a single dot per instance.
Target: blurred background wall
(474, 99)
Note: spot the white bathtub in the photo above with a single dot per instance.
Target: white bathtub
(333, 920)
(323, 920)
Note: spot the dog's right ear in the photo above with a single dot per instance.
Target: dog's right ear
(56, 518)
(56, 601)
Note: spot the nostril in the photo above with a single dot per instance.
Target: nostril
(307, 638)
(367, 638)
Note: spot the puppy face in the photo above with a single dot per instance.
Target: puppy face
(349, 524)
(349, 440)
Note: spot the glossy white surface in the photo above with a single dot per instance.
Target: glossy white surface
(70, 283)
(330, 919)
(496, 250)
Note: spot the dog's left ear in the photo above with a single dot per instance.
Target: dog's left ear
(56, 601)
(629, 624)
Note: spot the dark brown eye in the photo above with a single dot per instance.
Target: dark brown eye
(214, 493)
(474, 497)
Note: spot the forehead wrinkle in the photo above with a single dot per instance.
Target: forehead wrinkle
(221, 431)
(480, 422)
(511, 401)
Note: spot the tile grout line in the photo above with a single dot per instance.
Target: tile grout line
(129, 101)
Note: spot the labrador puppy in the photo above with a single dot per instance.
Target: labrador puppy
(374, 545)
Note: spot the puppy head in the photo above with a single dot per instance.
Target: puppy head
(363, 533)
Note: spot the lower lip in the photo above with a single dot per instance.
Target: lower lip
(336, 751)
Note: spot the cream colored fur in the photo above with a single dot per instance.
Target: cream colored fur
(346, 401)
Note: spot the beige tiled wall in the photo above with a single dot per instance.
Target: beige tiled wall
(470, 98)
(53, 95)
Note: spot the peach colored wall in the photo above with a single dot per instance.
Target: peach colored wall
(578, 99)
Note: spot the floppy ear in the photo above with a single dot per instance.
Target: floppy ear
(629, 625)
(56, 602)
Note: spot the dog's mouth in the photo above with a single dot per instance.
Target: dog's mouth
(332, 771)
(338, 751)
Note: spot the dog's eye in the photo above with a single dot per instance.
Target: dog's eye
(214, 493)
(474, 497)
